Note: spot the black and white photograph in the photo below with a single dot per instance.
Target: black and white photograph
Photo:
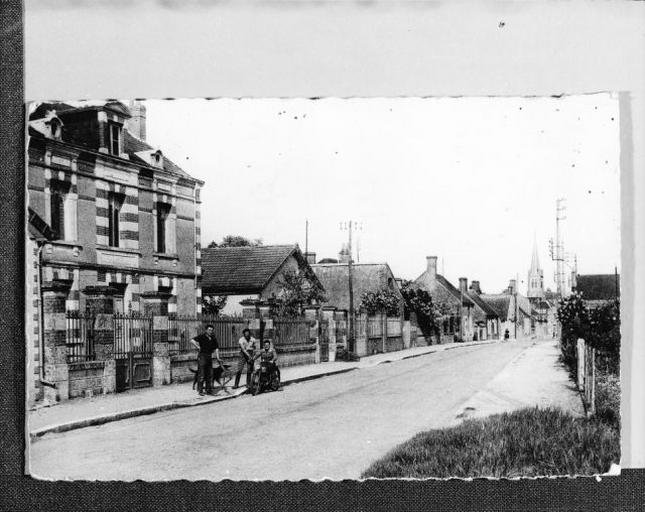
(323, 288)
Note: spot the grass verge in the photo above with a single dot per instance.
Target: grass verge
(529, 442)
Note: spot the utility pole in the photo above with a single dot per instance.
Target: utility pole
(557, 249)
(517, 280)
(350, 226)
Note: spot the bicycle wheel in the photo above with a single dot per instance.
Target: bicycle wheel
(275, 382)
(255, 384)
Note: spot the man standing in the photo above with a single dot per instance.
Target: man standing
(247, 347)
(206, 344)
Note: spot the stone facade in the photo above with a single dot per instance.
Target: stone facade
(125, 220)
(455, 307)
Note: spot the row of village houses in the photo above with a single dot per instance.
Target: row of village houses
(114, 227)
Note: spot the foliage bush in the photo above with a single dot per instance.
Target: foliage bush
(604, 335)
(236, 241)
(573, 315)
(420, 303)
(384, 300)
(213, 305)
(297, 290)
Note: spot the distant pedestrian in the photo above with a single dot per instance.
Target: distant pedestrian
(247, 348)
(206, 343)
(507, 335)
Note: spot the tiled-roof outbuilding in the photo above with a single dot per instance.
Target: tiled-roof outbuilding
(241, 270)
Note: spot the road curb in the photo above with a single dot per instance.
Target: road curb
(144, 411)
(132, 413)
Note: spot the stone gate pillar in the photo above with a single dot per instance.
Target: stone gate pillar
(99, 302)
(328, 314)
(311, 314)
(156, 304)
(54, 340)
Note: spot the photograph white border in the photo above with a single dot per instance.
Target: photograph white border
(197, 48)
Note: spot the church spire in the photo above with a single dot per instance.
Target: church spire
(536, 275)
(535, 261)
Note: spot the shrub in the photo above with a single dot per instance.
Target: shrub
(574, 319)
(382, 301)
(608, 398)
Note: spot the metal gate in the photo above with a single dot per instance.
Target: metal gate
(133, 338)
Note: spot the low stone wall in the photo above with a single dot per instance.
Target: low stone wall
(91, 377)
(293, 355)
(394, 343)
(180, 365)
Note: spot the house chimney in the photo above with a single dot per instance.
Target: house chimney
(474, 286)
(136, 125)
(463, 284)
(310, 257)
(511, 286)
(432, 266)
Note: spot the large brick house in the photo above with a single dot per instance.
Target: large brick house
(114, 225)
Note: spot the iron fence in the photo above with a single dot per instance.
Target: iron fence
(291, 331)
(227, 331)
(79, 337)
(133, 333)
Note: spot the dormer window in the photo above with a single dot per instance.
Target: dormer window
(115, 139)
(156, 159)
(55, 127)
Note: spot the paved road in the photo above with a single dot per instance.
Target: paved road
(332, 427)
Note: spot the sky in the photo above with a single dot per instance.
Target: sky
(473, 181)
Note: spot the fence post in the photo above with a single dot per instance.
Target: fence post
(580, 349)
(160, 359)
(592, 398)
(406, 333)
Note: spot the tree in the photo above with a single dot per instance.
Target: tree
(212, 305)
(384, 300)
(420, 303)
(573, 316)
(298, 289)
(236, 241)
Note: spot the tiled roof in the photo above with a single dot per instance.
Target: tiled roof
(489, 310)
(131, 144)
(598, 286)
(239, 270)
(454, 291)
(499, 303)
(365, 277)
